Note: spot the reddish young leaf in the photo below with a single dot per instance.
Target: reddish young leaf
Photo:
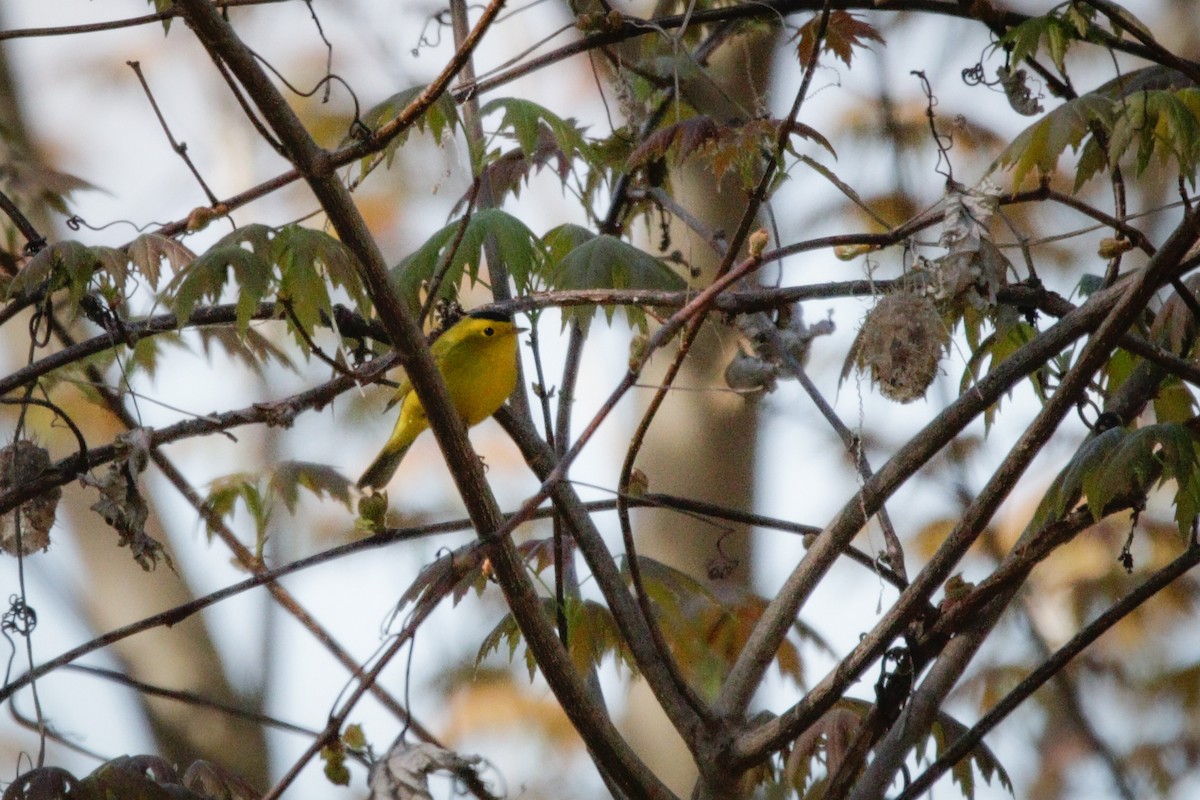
(844, 33)
(687, 137)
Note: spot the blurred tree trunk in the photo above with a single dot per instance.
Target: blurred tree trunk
(182, 657)
(703, 444)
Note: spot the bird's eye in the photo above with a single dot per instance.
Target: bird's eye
(489, 331)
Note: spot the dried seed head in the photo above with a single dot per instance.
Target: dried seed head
(901, 342)
(22, 462)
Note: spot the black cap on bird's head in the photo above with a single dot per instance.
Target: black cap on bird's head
(494, 316)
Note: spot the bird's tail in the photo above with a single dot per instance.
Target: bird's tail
(382, 468)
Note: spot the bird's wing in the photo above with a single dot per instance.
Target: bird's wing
(402, 390)
(440, 348)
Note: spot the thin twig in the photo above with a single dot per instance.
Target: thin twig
(131, 22)
(333, 727)
(34, 241)
(851, 441)
(190, 698)
(179, 148)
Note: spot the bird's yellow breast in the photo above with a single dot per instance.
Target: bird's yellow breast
(477, 358)
(481, 372)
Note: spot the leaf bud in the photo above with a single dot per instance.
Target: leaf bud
(1111, 248)
(849, 252)
(758, 242)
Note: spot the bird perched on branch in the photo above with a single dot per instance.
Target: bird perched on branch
(477, 358)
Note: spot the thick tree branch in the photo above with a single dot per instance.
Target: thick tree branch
(1109, 311)
(601, 737)
(928, 698)
(1051, 667)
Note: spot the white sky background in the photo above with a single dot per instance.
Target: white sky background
(87, 110)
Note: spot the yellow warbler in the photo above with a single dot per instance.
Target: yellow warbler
(477, 357)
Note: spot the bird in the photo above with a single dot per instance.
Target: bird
(477, 358)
